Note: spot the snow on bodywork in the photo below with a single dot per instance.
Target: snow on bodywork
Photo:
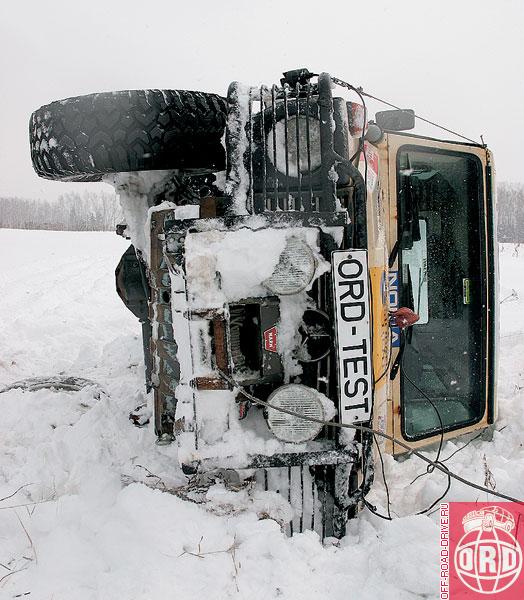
(296, 271)
(245, 294)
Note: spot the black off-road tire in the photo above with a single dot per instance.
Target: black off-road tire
(87, 137)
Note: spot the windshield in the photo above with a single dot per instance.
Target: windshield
(441, 278)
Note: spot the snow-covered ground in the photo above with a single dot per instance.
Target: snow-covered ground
(84, 527)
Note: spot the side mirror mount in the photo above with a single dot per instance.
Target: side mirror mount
(396, 120)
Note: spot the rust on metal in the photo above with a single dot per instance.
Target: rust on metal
(163, 387)
(210, 383)
(208, 207)
(204, 313)
(219, 337)
(180, 425)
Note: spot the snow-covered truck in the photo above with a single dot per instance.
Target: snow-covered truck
(297, 270)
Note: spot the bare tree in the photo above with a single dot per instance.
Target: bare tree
(510, 205)
(90, 211)
(100, 211)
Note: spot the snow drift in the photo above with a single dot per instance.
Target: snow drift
(86, 509)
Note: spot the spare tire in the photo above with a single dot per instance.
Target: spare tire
(86, 137)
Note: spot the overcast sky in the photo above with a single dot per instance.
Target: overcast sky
(458, 62)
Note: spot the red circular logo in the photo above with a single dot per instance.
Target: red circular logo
(488, 558)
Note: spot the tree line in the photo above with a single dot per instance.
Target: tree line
(89, 211)
(100, 211)
(510, 209)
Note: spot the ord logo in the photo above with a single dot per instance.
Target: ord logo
(487, 559)
(270, 339)
(393, 305)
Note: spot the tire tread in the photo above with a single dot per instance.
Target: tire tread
(87, 137)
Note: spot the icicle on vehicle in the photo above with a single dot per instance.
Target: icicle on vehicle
(281, 280)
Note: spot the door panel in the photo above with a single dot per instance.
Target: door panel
(438, 210)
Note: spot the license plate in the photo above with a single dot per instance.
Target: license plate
(351, 297)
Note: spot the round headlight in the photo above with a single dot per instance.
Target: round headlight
(298, 399)
(295, 269)
(295, 153)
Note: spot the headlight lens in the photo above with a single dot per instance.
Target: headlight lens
(280, 142)
(298, 399)
(295, 269)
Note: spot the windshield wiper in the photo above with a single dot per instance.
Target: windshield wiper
(406, 334)
(407, 290)
(409, 229)
(409, 214)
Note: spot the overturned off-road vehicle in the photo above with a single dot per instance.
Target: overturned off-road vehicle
(297, 271)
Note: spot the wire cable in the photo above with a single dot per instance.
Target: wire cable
(390, 356)
(431, 464)
(462, 447)
(429, 469)
(441, 430)
(439, 466)
(361, 92)
(370, 507)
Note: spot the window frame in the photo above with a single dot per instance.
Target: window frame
(483, 226)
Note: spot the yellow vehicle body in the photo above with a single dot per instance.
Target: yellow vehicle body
(383, 226)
